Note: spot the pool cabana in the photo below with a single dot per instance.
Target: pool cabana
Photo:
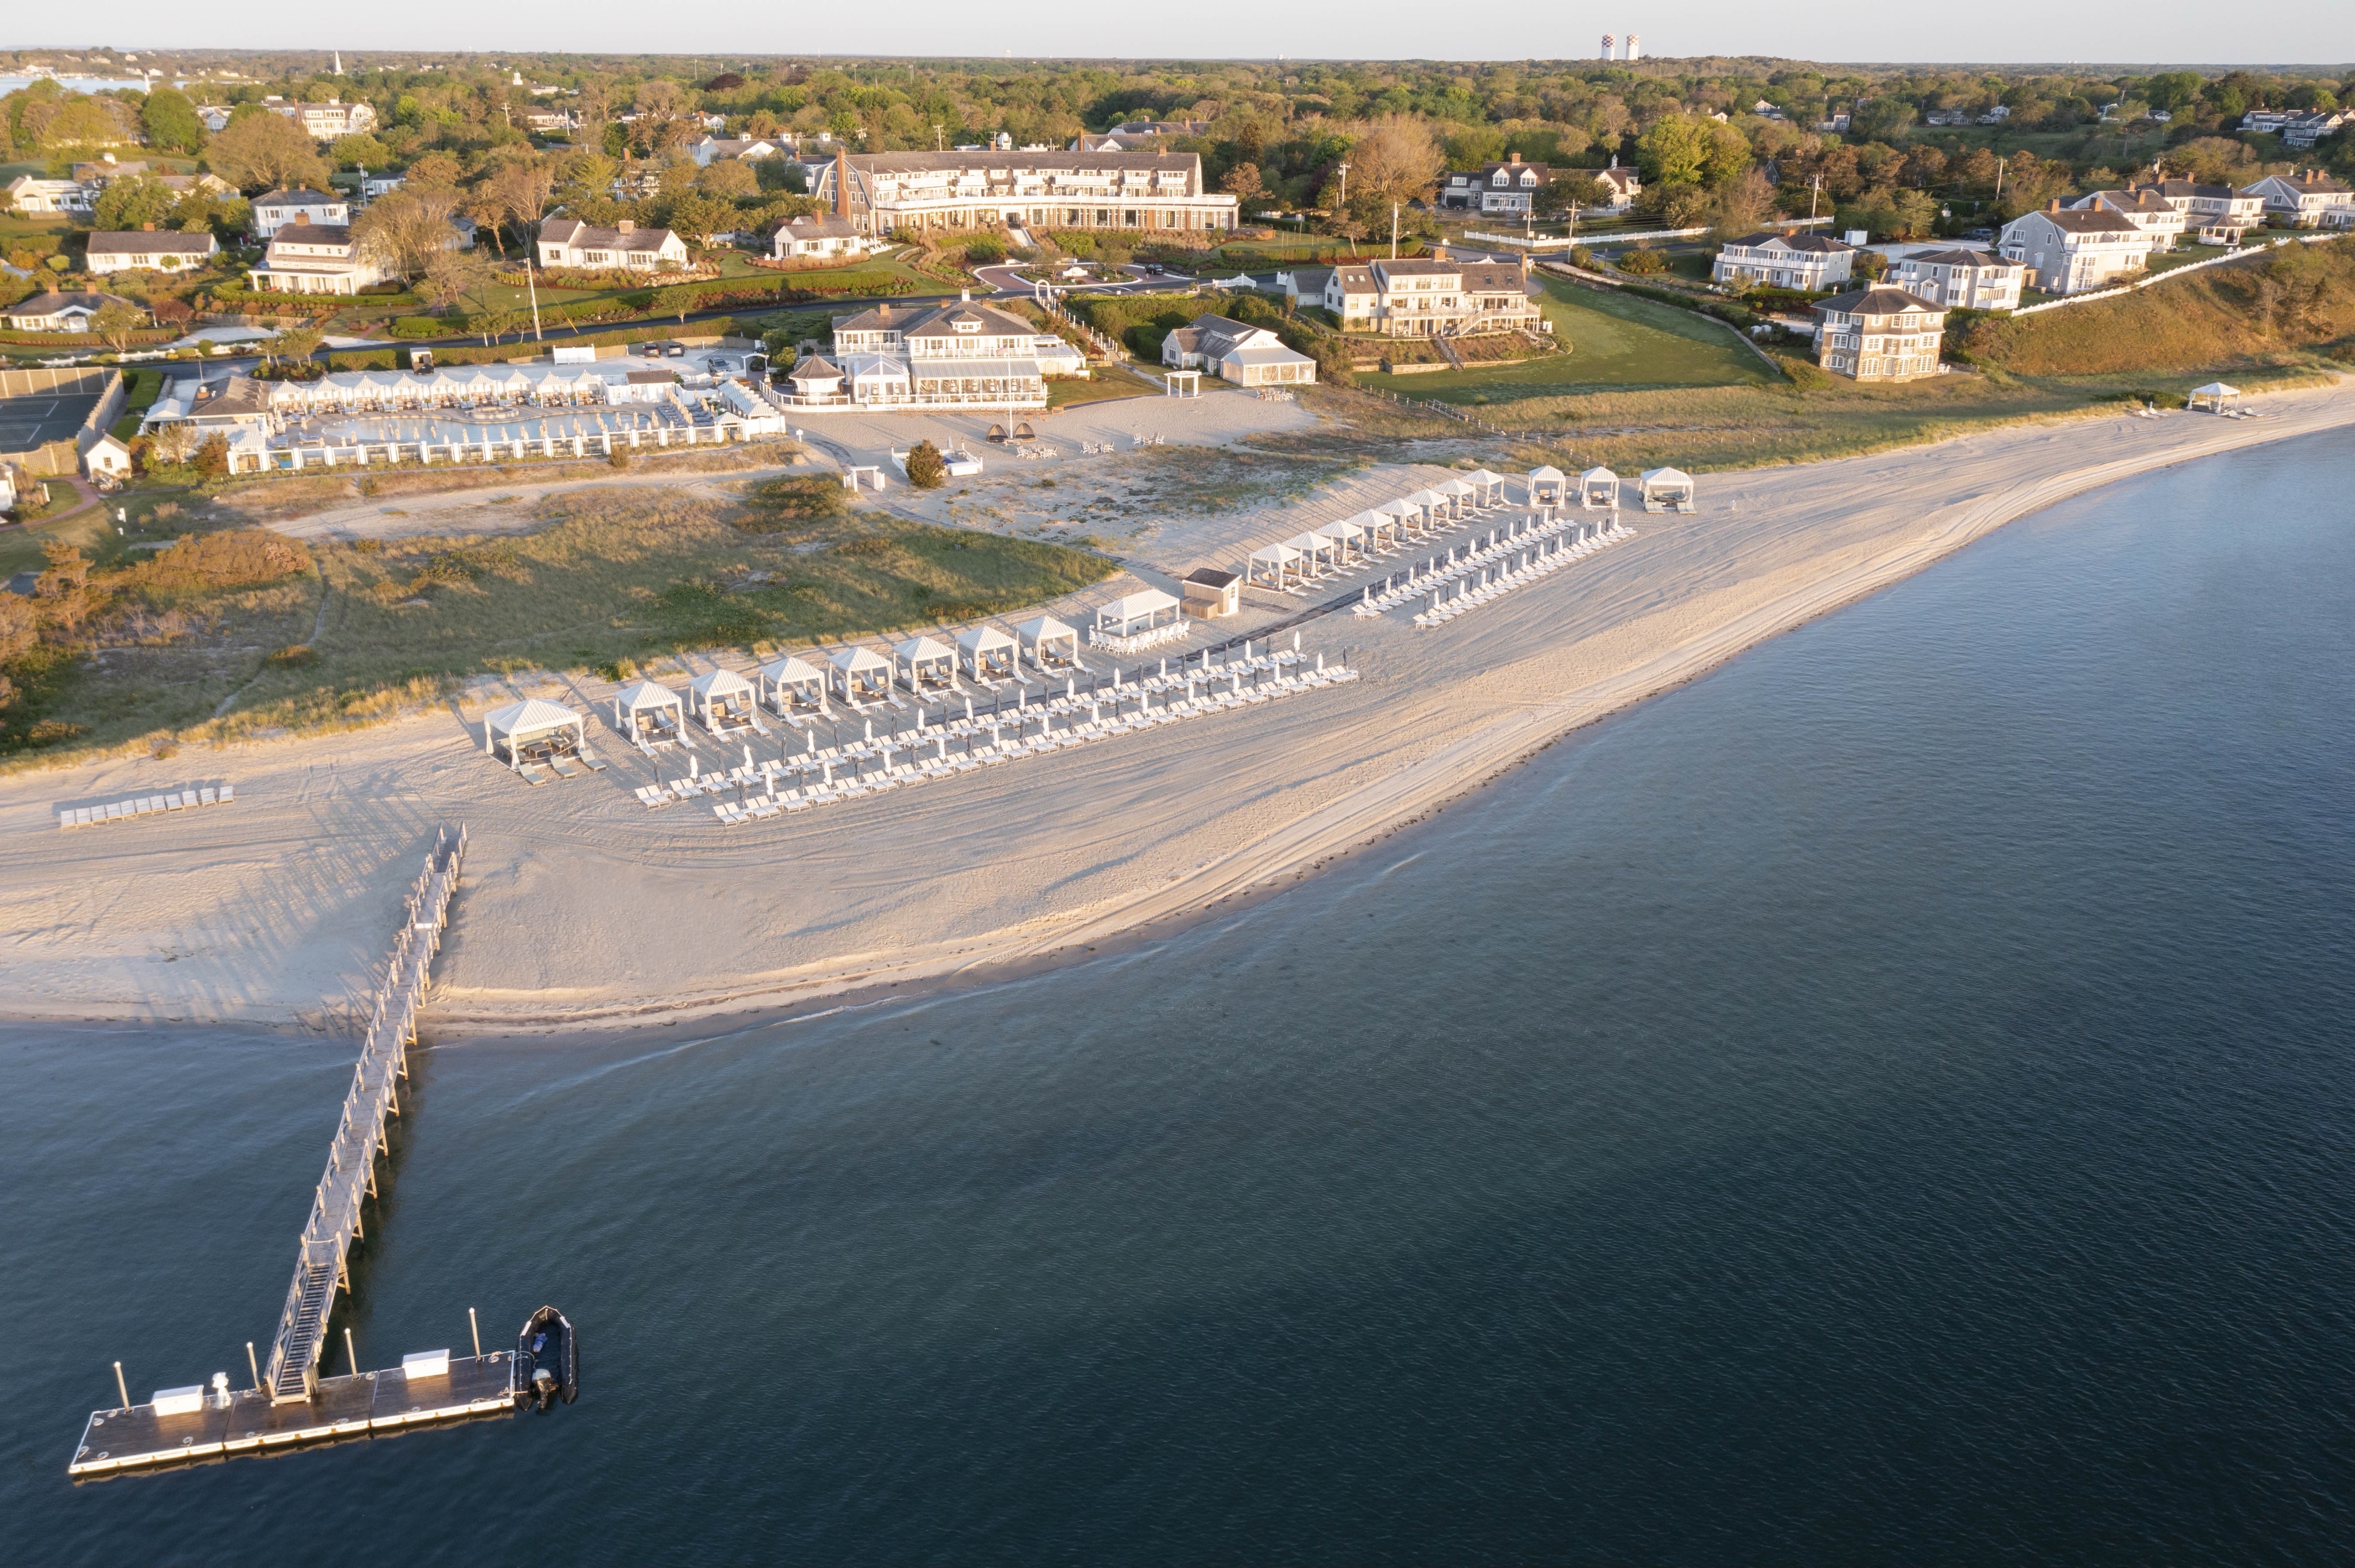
(531, 731)
(722, 702)
(987, 654)
(1668, 490)
(1318, 553)
(1548, 486)
(1272, 566)
(1598, 488)
(788, 682)
(2213, 398)
(860, 674)
(1377, 531)
(1487, 488)
(1435, 503)
(924, 665)
(1052, 647)
(650, 714)
(1139, 620)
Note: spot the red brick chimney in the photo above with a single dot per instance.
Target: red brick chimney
(841, 181)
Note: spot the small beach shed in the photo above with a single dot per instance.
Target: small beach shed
(722, 702)
(1548, 486)
(1050, 645)
(1275, 566)
(988, 652)
(786, 683)
(1667, 490)
(2213, 398)
(1598, 488)
(925, 664)
(650, 714)
(860, 674)
(514, 734)
(1210, 593)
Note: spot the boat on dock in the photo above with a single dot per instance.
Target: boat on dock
(548, 1360)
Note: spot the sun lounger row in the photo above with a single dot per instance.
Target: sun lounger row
(144, 806)
(1504, 577)
(770, 801)
(1417, 586)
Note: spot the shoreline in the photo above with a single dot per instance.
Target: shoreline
(986, 878)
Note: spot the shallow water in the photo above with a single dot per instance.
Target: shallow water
(1887, 1101)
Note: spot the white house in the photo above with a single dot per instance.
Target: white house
(274, 210)
(1960, 280)
(1625, 185)
(2145, 209)
(325, 120)
(809, 236)
(712, 148)
(1417, 297)
(32, 195)
(1035, 188)
(108, 460)
(2308, 200)
(2299, 129)
(150, 250)
(1247, 355)
(1509, 189)
(2069, 250)
(58, 312)
(315, 259)
(569, 242)
(947, 356)
(1879, 334)
(2218, 214)
(1807, 261)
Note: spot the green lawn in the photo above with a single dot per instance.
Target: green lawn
(1617, 344)
(1103, 384)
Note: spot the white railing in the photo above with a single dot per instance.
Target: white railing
(2189, 267)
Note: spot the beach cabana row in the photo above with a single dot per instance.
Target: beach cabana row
(1548, 485)
(1134, 622)
(925, 665)
(1598, 490)
(987, 655)
(789, 685)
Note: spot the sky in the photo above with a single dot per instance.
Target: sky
(2172, 32)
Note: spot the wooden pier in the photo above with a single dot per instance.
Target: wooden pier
(290, 1402)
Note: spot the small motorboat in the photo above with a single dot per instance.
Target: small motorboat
(548, 1360)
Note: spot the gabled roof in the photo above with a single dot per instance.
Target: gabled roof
(49, 304)
(301, 195)
(312, 234)
(531, 715)
(572, 232)
(990, 322)
(1812, 244)
(816, 225)
(1958, 259)
(2086, 220)
(144, 242)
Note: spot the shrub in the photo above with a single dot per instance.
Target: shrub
(239, 557)
(292, 657)
(1643, 263)
(808, 498)
(986, 252)
(419, 327)
(925, 468)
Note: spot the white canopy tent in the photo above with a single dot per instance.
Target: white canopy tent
(1597, 488)
(1410, 510)
(1405, 519)
(1377, 531)
(1547, 484)
(925, 664)
(1667, 490)
(533, 725)
(1487, 489)
(1316, 549)
(790, 679)
(1348, 534)
(722, 702)
(2214, 397)
(650, 714)
(1270, 565)
(1434, 502)
(1049, 643)
(860, 672)
(1459, 494)
(988, 653)
(1133, 614)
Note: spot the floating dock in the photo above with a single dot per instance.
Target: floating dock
(291, 1402)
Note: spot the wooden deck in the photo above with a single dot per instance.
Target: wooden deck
(248, 1421)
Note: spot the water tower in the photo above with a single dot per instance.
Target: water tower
(1635, 45)
(1607, 42)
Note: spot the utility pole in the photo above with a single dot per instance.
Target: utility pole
(531, 280)
(1815, 187)
(1345, 186)
(1394, 212)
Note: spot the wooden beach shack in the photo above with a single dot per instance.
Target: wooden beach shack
(1210, 593)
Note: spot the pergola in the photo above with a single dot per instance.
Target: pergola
(790, 679)
(722, 700)
(1044, 638)
(860, 672)
(1667, 490)
(649, 713)
(2214, 397)
(1597, 488)
(1190, 379)
(532, 725)
(1268, 564)
(1547, 484)
(1488, 488)
(924, 662)
(1132, 614)
(988, 653)
(1459, 494)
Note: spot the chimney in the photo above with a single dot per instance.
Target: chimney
(965, 296)
(1515, 157)
(841, 181)
(2055, 206)
(147, 228)
(627, 225)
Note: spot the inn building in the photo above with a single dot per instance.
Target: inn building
(1034, 188)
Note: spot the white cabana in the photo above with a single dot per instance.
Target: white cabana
(1347, 535)
(1377, 531)
(1141, 611)
(790, 681)
(1487, 489)
(1667, 490)
(988, 653)
(1409, 511)
(1270, 566)
(1404, 519)
(650, 714)
(1598, 487)
(924, 664)
(1315, 549)
(2214, 398)
(532, 730)
(1049, 643)
(1434, 502)
(1459, 494)
(1546, 486)
(721, 700)
(860, 672)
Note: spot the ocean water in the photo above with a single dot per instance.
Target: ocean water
(1888, 1101)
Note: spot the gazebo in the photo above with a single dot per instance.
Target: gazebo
(924, 664)
(1377, 532)
(988, 653)
(1598, 488)
(860, 672)
(1459, 494)
(1269, 565)
(1487, 489)
(1405, 519)
(1546, 486)
(721, 700)
(1347, 535)
(790, 679)
(1045, 638)
(1132, 621)
(650, 714)
(1667, 490)
(530, 729)
(2214, 398)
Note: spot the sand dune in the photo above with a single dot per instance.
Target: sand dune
(584, 909)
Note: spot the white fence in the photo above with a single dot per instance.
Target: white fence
(2233, 255)
(1596, 241)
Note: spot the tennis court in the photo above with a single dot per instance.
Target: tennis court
(27, 424)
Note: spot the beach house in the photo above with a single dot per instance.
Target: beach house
(1625, 185)
(306, 258)
(2310, 199)
(1806, 262)
(1960, 280)
(1246, 355)
(2069, 251)
(810, 235)
(32, 195)
(1423, 297)
(2144, 207)
(569, 242)
(1508, 189)
(150, 250)
(275, 209)
(2218, 215)
(59, 312)
(1879, 334)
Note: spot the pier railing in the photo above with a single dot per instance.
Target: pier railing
(321, 1265)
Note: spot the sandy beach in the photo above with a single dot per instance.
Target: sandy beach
(582, 909)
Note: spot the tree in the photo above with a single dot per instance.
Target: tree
(115, 322)
(295, 345)
(699, 218)
(266, 152)
(1395, 161)
(358, 150)
(170, 122)
(1566, 191)
(1880, 119)
(134, 203)
(1243, 182)
(1675, 151)
(925, 468)
(675, 299)
(87, 122)
(452, 277)
(728, 178)
(1742, 203)
(403, 229)
(211, 457)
